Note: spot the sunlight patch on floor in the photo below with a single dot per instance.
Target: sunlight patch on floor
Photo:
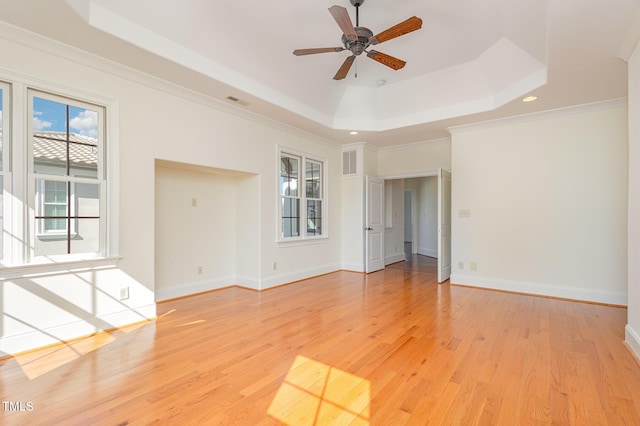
(42, 361)
(315, 393)
(38, 363)
(190, 323)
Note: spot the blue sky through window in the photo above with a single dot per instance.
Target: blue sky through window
(51, 116)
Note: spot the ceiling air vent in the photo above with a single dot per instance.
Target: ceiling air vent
(237, 101)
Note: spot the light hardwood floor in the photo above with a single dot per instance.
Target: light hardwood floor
(392, 347)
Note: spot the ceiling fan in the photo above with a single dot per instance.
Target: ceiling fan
(357, 39)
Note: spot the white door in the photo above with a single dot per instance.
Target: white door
(374, 225)
(444, 225)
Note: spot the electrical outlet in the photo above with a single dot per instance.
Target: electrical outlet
(460, 265)
(275, 265)
(464, 213)
(194, 202)
(199, 270)
(473, 266)
(124, 293)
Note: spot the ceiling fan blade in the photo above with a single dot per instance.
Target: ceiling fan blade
(300, 52)
(387, 60)
(341, 17)
(344, 69)
(411, 24)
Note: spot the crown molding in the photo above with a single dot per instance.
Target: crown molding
(631, 36)
(541, 115)
(414, 145)
(353, 145)
(46, 45)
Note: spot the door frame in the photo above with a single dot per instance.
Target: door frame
(444, 225)
(414, 218)
(430, 173)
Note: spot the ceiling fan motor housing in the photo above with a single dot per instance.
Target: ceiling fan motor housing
(360, 43)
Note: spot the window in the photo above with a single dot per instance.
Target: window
(302, 196)
(53, 176)
(66, 176)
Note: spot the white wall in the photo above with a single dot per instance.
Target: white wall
(547, 196)
(210, 235)
(353, 213)
(633, 324)
(419, 159)
(408, 217)
(394, 234)
(428, 216)
(158, 121)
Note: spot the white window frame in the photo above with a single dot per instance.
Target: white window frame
(19, 180)
(34, 193)
(5, 169)
(302, 196)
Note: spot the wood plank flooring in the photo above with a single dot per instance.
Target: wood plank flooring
(388, 348)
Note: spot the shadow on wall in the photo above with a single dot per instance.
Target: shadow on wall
(56, 307)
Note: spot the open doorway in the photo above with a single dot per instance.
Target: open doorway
(411, 218)
(421, 196)
(430, 231)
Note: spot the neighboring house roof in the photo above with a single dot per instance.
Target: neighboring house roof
(52, 147)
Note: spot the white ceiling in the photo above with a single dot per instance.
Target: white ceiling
(471, 61)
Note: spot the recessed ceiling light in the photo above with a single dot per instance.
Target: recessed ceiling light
(380, 83)
(529, 99)
(353, 133)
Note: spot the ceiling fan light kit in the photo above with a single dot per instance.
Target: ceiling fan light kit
(357, 39)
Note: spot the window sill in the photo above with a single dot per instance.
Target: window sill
(302, 241)
(43, 269)
(56, 236)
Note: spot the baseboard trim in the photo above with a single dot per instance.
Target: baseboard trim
(427, 252)
(11, 345)
(353, 267)
(394, 259)
(187, 289)
(538, 289)
(297, 276)
(632, 339)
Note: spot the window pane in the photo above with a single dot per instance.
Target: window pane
(87, 238)
(49, 156)
(51, 205)
(290, 217)
(83, 138)
(49, 117)
(51, 244)
(83, 158)
(86, 199)
(314, 217)
(289, 175)
(55, 192)
(65, 139)
(313, 179)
